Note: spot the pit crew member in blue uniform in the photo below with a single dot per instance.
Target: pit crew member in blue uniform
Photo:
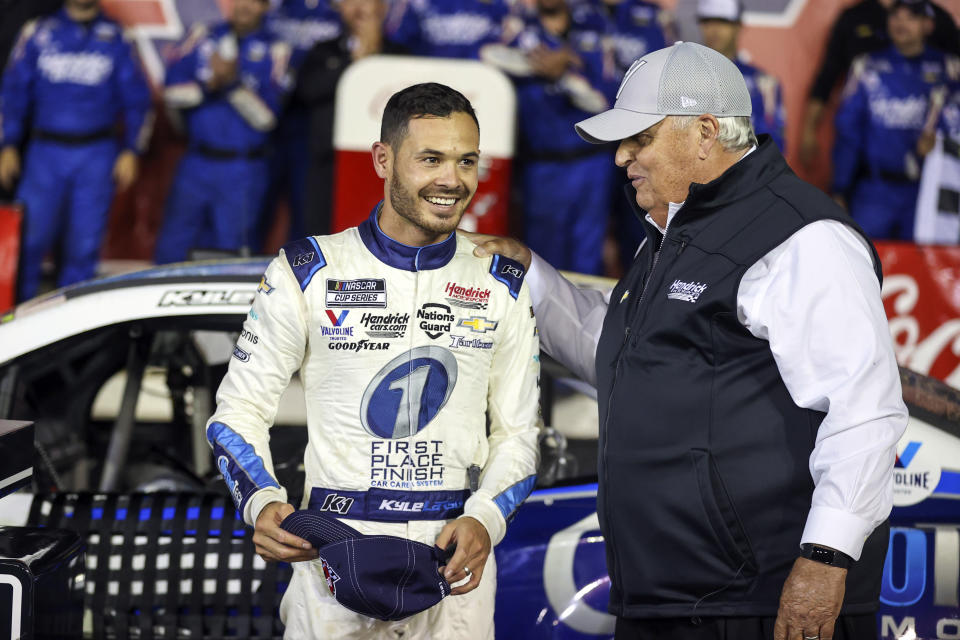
(885, 106)
(229, 82)
(446, 28)
(419, 364)
(570, 74)
(301, 24)
(70, 78)
(636, 28)
(720, 26)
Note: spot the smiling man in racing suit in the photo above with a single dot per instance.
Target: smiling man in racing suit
(420, 367)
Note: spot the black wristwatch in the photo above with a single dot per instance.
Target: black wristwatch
(825, 555)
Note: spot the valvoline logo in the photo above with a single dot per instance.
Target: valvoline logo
(905, 458)
(916, 474)
(337, 320)
(338, 331)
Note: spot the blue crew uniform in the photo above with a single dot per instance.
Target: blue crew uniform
(766, 98)
(884, 109)
(565, 213)
(301, 24)
(445, 28)
(637, 28)
(222, 177)
(70, 82)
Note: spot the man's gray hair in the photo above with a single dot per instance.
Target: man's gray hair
(736, 132)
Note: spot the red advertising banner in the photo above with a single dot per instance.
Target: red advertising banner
(921, 295)
(11, 218)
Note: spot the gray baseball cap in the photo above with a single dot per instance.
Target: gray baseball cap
(687, 79)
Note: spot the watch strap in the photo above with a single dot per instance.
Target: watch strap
(825, 555)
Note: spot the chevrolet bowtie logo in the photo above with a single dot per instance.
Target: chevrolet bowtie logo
(478, 325)
(265, 286)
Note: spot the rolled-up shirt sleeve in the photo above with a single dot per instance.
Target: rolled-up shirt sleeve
(573, 318)
(816, 299)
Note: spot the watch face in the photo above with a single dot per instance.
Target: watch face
(822, 555)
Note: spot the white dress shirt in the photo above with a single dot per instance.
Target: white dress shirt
(816, 299)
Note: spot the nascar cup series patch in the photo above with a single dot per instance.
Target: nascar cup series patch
(364, 293)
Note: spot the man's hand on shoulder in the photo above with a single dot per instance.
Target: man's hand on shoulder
(810, 601)
(470, 558)
(275, 544)
(507, 247)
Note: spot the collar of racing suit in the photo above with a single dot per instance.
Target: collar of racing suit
(402, 256)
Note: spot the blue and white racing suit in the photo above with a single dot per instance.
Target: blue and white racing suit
(71, 83)
(301, 24)
(766, 98)
(445, 28)
(420, 370)
(884, 109)
(637, 28)
(566, 180)
(221, 179)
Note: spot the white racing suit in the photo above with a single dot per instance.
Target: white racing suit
(420, 369)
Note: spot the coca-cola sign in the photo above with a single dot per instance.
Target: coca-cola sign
(921, 296)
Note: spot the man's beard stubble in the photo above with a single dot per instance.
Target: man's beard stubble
(405, 204)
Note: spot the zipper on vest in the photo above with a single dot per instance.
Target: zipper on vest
(606, 439)
(616, 374)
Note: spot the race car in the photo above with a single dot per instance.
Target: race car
(119, 375)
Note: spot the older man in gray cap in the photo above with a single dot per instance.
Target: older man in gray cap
(750, 403)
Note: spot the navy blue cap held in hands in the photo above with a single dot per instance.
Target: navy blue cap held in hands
(383, 577)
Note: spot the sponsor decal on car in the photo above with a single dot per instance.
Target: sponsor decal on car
(435, 319)
(337, 331)
(916, 473)
(206, 298)
(364, 293)
(389, 325)
(467, 297)
(478, 324)
(460, 342)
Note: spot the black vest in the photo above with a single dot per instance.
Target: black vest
(704, 478)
